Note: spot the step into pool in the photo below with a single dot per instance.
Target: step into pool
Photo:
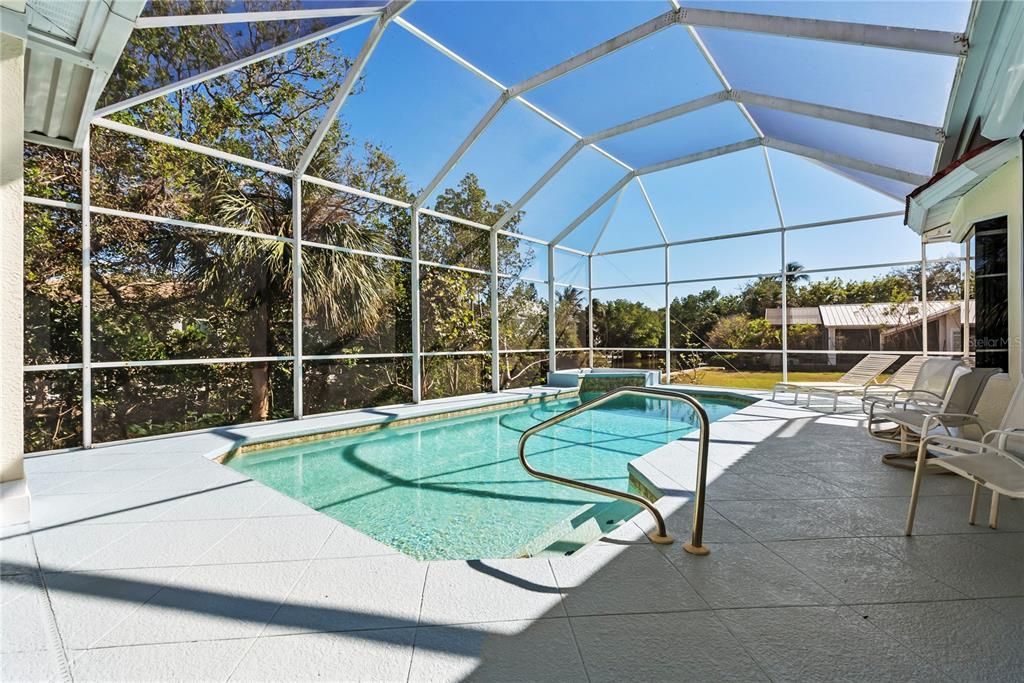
(453, 488)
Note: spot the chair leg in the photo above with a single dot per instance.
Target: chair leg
(974, 504)
(916, 489)
(993, 512)
(835, 402)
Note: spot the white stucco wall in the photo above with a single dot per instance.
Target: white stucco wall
(11, 257)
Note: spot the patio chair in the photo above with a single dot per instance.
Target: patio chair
(956, 411)
(902, 379)
(996, 461)
(857, 377)
(929, 388)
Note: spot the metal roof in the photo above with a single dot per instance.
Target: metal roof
(796, 315)
(867, 316)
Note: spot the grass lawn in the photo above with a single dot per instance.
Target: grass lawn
(748, 379)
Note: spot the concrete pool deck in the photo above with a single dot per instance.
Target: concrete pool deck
(148, 561)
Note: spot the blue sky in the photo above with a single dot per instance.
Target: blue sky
(420, 105)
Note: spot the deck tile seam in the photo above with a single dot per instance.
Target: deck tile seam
(280, 604)
(419, 619)
(218, 564)
(181, 571)
(53, 633)
(572, 630)
(170, 521)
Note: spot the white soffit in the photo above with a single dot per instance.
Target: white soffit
(71, 49)
(930, 209)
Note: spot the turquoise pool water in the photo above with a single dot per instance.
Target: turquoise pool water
(454, 489)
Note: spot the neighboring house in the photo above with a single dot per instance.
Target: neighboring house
(880, 326)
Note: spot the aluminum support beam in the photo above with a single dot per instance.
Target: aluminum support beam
(668, 320)
(648, 28)
(414, 303)
(297, 403)
(749, 233)
(608, 220)
(541, 182)
(86, 256)
(850, 162)
(885, 124)
(593, 207)
(477, 131)
(232, 66)
(552, 326)
(650, 207)
(351, 77)
(659, 116)
(174, 20)
(698, 156)
(888, 37)
(649, 120)
(495, 326)
(590, 311)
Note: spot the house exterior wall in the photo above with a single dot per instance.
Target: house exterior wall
(1001, 194)
(13, 490)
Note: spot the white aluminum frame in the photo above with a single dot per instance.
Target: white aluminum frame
(928, 41)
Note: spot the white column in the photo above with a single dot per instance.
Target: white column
(297, 295)
(14, 494)
(785, 308)
(590, 311)
(495, 330)
(414, 293)
(551, 309)
(668, 325)
(87, 292)
(924, 299)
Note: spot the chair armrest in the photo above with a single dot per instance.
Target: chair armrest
(1002, 435)
(917, 396)
(941, 419)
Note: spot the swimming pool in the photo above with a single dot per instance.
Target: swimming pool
(453, 488)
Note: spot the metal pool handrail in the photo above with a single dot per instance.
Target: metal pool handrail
(661, 536)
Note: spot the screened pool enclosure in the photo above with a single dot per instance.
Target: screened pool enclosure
(283, 209)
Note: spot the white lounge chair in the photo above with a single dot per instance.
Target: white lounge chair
(929, 388)
(856, 378)
(913, 422)
(996, 461)
(900, 380)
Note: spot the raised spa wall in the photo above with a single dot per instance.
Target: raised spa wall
(602, 379)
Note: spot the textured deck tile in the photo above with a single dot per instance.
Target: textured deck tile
(966, 640)
(362, 656)
(459, 592)
(535, 651)
(631, 579)
(353, 594)
(747, 575)
(662, 647)
(968, 567)
(823, 644)
(198, 661)
(208, 603)
(857, 571)
(23, 595)
(776, 520)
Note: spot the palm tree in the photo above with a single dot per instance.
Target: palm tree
(794, 273)
(343, 292)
